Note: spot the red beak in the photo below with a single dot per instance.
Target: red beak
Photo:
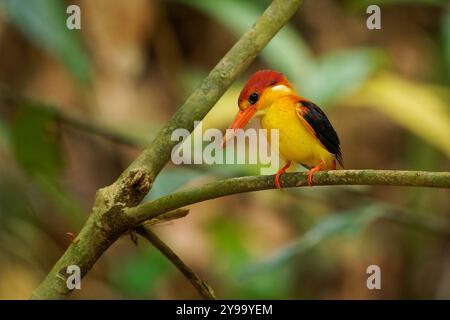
(240, 121)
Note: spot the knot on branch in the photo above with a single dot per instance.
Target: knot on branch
(134, 187)
(112, 200)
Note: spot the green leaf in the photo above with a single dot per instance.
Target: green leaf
(34, 138)
(35, 144)
(44, 23)
(340, 223)
(14, 202)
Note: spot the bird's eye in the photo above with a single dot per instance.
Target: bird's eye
(253, 98)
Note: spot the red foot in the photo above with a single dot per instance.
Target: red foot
(279, 173)
(311, 172)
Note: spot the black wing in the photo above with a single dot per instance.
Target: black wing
(322, 127)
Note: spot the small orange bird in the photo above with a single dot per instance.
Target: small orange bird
(306, 136)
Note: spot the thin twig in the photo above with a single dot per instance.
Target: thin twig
(168, 216)
(202, 286)
(98, 130)
(10, 97)
(144, 230)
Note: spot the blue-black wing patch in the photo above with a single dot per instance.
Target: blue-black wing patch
(322, 127)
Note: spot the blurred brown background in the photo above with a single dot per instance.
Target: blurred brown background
(77, 106)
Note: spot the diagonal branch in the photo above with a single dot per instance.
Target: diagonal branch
(108, 220)
(231, 186)
(8, 96)
(200, 285)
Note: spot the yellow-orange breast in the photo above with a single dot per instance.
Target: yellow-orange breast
(296, 142)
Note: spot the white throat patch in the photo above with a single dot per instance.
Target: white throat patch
(281, 87)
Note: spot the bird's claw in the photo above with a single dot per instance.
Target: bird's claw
(277, 182)
(310, 176)
(311, 172)
(279, 173)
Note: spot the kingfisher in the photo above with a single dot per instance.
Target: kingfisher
(306, 136)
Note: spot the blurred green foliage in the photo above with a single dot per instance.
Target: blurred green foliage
(231, 240)
(415, 106)
(34, 137)
(327, 80)
(139, 274)
(347, 224)
(34, 141)
(324, 79)
(362, 4)
(44, 23)
(359, 76)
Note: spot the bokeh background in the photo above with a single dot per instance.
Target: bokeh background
(76, 107)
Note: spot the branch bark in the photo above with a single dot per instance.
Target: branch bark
(226, 187)
(108, 219)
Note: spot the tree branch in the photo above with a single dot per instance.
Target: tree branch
(167, 216)
(231, 186)
(9, 97)
(108, 219)
(145, 231)
(98, 130)
(200, 285)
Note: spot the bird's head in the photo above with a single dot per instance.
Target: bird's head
(263, 88)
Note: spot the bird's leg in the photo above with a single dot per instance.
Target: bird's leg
(279, 173)
(311, 172)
